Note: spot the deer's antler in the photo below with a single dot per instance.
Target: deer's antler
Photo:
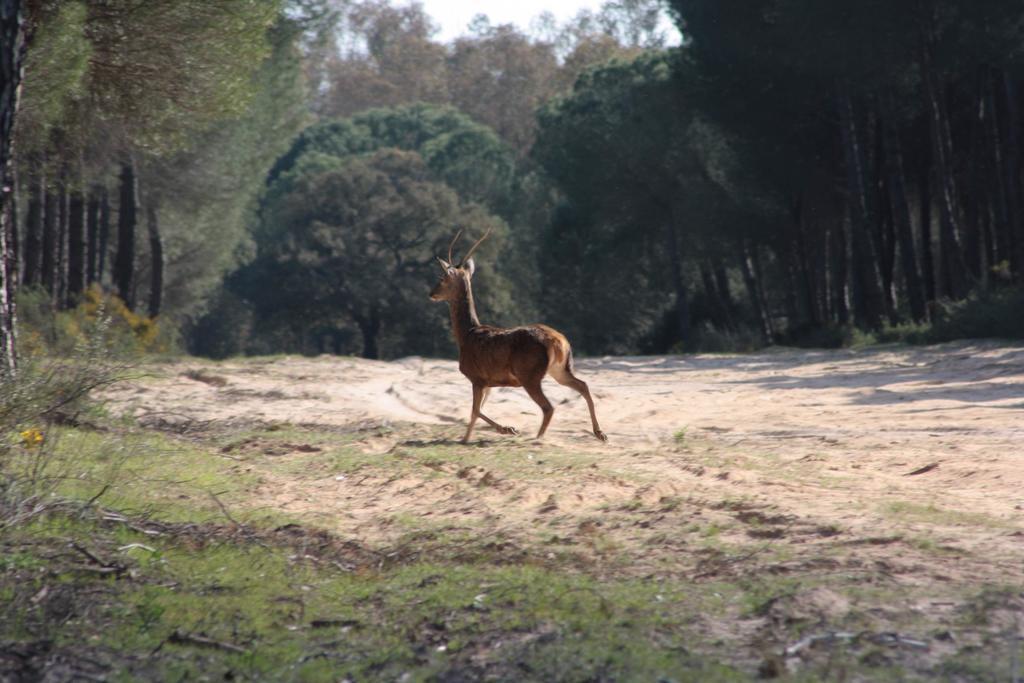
(477, 244)
(452, 246)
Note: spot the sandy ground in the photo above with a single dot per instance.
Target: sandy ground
(894, 476)
(830, 438)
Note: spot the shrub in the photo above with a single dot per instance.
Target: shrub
(47, 391)
(44, 330)
(828, 336)
(984, 314)
(709, 339)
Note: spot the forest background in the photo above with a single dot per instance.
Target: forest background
(269, 176)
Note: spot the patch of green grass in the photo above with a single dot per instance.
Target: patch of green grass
(306, 620)
(931, 513)
(147, 471)
(680, 436)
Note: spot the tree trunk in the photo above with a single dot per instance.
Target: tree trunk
(92, 233)
(1011, 172)
(718, 300)
(103, 249)
(12, 52)
(900, 210)
(682, 312)
(927, 249)
(751, 272)
(156, 252)
(124, 261)
(61, 256)
(32, 273)
(869, 305)
(370, 327)
(840, 273)
(954, 270)
(49, 241)
(722, 280)
(76, 247)
(807, 278)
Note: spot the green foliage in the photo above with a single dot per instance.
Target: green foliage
(464, 154)
(293, 618)
(355, 253)
(56, 68)
(984, 314)
(350, 223)
(208, 194)
(170, 68)
(35, 462)
(101, 317)
(627, 151)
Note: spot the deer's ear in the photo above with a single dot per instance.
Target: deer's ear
(470, 267)
(445, 266)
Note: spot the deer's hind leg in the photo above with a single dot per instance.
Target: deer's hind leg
(563, 375)
(501, 429)
(537, 394)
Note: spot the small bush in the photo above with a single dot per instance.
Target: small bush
(829, 336)
(44, 330)
(45, 393)
(998, 314)
(984, 314)
(709, 339)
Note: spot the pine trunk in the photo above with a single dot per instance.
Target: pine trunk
(1011, 172)
(76, 247)
(900, 211)
(92, 234)
(682, 312)
(927, 248)
(124, 261)
(840, 274)
(31, 275)
(954, 265)
(12, 44)
(750, 271)
(61, 255)
(103, 248)
(49, 240)
(867, 289)
(156, 252)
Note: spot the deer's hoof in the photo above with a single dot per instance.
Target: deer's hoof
(512, 431)
(601, 436)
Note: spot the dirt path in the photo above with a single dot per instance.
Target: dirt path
(878, 489)
(824, 439)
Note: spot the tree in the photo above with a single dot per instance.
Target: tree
(622, 149)
(500, 77)
(384, 56)
(462, 153)
(12, 39)
(356, 250)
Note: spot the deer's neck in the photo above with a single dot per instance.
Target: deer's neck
(463, 312)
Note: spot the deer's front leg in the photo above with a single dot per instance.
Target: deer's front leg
(501, 429)
(478, 395)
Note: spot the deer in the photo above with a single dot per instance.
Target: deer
(504, 357)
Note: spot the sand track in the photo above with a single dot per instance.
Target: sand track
(829, 437)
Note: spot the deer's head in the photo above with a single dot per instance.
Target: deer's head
(455, 278)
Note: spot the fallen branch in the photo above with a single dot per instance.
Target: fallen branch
(884, 638)
(180, 638)
(223, 508)
(922, 470)
(89, 555)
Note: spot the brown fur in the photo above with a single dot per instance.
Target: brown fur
(506, 357)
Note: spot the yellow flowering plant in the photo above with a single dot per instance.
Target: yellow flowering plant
(32, 438)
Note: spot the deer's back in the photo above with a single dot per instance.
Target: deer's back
(506, 357)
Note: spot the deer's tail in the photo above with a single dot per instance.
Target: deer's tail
(559, 352)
